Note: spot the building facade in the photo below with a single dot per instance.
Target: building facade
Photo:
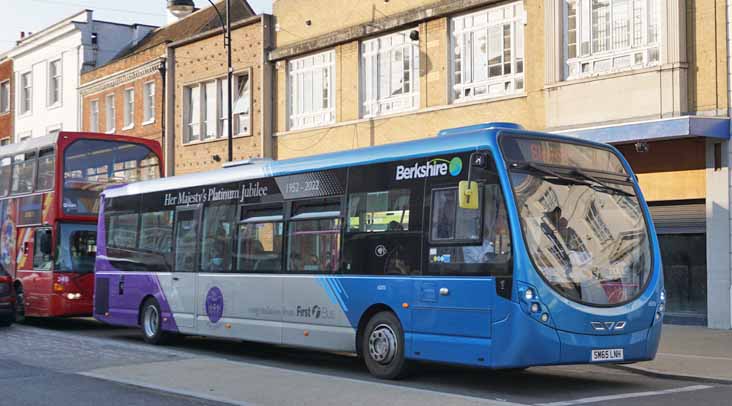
(393, 71)
(127, 95)
(48, 66)
(649, 76)
(7, 95)
(198, 98)
(659, 91)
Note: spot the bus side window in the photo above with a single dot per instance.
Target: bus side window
(5, 175)
(217, 237)
(186, 238)
(23, 173)
(122, 230)
(259, 246)
(314, 237)
(46, 161)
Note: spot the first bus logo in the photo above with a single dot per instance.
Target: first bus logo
(432, 168)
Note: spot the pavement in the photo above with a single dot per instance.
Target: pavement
(688, 352)
(84, 362)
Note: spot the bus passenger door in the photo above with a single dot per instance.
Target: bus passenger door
(454, 303)
(182, 296)
(36, 287)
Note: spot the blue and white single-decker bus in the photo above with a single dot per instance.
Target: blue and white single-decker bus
(487, 245)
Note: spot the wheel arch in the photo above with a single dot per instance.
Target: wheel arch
(366, 316)
(142, 303)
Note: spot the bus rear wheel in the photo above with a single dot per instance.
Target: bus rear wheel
(382, 347)
(151, 322)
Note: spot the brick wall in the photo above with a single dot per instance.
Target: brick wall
(205, 60)
(436, 110)
(6, 119)
(134, 72)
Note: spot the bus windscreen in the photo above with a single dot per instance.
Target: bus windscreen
(92, 165)
(586, 234)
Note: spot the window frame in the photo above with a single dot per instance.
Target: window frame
(280, 219)
(458, 63)
(128, 109)
(297, 76)
(5, 97)
(94, 115)
(649, 50)
(219, 117)
(110, 113)
(371, 53)
(238, 116)
(292, 217)
(149, 91)
(25, 95)
(58, 80)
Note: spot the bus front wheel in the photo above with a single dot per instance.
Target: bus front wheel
(151, 322)
(382, 347)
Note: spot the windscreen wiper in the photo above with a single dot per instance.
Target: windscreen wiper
(594, 184)
(549, 172)
(602, 184)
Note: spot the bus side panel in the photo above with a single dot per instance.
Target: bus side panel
(8, 244)
(318, 305)
(127, 293)
(240, 306)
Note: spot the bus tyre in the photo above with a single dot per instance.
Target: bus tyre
(151, 321)
(6, 321)
(19, 305)
(382, 347)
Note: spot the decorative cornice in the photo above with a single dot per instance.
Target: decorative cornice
(119, 78)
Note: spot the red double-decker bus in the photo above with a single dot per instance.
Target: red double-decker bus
(49, 201)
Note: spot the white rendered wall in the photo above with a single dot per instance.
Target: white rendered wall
(42, 117)
(71, 42)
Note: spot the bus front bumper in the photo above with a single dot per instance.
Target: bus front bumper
(526, 343)
(63, 306)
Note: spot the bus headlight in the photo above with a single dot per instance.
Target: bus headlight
(535, 308)
(662, 296)
(545, 317)
(529, 294)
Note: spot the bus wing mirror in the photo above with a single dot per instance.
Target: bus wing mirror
(469, 195)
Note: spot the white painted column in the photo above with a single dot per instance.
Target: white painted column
(729, 114)
(719, 230)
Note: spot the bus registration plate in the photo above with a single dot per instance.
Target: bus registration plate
(607, 355)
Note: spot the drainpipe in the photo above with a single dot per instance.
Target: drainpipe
(169, 108)
(163, 138)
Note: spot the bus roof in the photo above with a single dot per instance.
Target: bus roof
(29, 145)
(450, 141)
